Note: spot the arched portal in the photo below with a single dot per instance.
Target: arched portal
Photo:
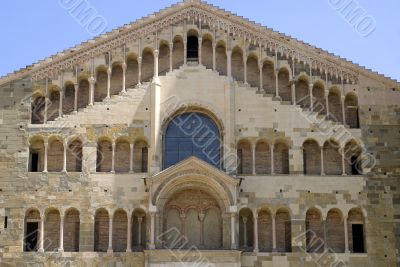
(192, 217)
(192, 134)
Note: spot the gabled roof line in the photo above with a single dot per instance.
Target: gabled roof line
(214, 16)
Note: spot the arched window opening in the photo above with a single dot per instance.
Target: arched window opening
(265, 231)
(332, 158)
(263, 158)
(356, 231)
(74, 156)
(53, 105)
(351, 110)
(244, 157)
(192, 48)
(69, 99)
(283, 231)
(246, 232)
(120, 229)
(100, 90)
(140, 156)
(71, 231)
(122, 156)
(36, 155)
(116, 79)
(284, 89)
(335, 106)
(314, 232)
(237, 64)
(192, 134)
(281, 158)
(132, 71)
(38, 110)
(268, 78)
(207, 53)
(83, 94)
(177, 52)
(104, 156)
(101, 225)
(335, 231)
(253, 72)
(311, 157)
(52, 230)
(31, 236)
(319, 102)
(163, 59)
(139, 226)
(302, 93)
(221, 59)
(352, 158)
(147, 65)
(55, 156)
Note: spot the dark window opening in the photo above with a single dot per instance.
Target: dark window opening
(358, 238)
(34, 162)
(5, 222)
(304, 162)
(31, 237)
(144, 159)
(192, 48)
(355, 165)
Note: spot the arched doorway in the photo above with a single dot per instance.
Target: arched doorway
(192, 47)
(192, 218)
(192, 134)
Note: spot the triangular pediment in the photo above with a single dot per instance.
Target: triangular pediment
(212, 16)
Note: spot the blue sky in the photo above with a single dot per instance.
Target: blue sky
(33, 30)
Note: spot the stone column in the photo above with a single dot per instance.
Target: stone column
(131, 158)
(45, 101)
(273, 233)
(255, 232)
(244, 218)
(61, 103)
(200, 47)
(293, 90)
(152, 230)
(65, 156)
(346, 236)
(272, 158)
(76, 97)
(327, 104)
(201, 218)
(185, 50)
(171, 49)
(110, 234)
(310, 87)
(260, 67)
(343, 111)
(214, 46)
(139, 70)
(343, 161)
(123, 77)
(61, 246)
(276, 83)
(92, 81)
(46, 146)
(113, 158)
(156, 63)
(233, 224)
(41, 239)
(229, 63)
(254, 158)
(322, 161)
(129, 234)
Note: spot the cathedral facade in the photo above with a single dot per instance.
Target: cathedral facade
(194, 137)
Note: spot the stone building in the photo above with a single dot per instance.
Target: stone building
(195, 136)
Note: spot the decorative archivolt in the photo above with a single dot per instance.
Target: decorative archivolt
(193, 11)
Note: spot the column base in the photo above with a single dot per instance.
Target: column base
(234, 246)
(110, 250)
(41, 250)
(44, 171)
(129, 250)
(256, 250)
(152, 246)
(60, 250)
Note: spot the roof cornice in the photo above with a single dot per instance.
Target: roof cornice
(194, 9)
